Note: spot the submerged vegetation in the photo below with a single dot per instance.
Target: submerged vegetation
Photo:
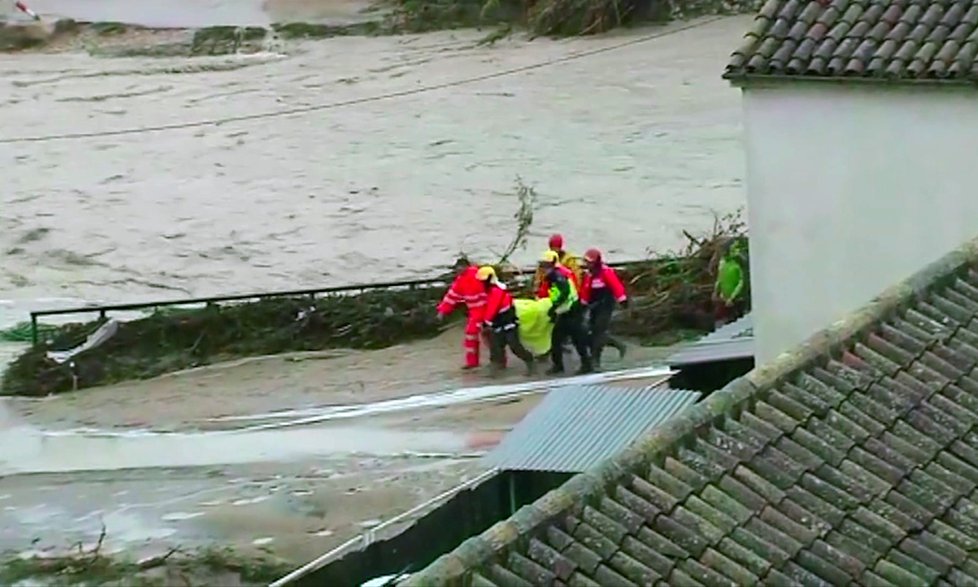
(671, 296)
(86, 567)
(385, 17)
(558, 18)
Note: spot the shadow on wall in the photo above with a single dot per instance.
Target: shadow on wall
(467, 514)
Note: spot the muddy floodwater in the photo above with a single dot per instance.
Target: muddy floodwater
(170, 13)
(283, 455)
(26, 452)
(626, 148)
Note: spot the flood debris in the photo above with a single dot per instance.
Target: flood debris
(307, 30)
(117, 39)
(20, 35)
(79, 566)
(557, 18)
(171, 340)
(224, 40)
(671, 293)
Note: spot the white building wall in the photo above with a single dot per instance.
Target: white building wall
(851, 189)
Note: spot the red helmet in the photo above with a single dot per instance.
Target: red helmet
(556, 242)
(592, 256)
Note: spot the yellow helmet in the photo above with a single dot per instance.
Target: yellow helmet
(486, 273)
(550, 257)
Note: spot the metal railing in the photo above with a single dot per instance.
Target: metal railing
(104, 309)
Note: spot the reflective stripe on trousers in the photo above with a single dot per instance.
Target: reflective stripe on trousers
(471, 341)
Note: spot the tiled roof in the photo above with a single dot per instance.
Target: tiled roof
(896, 40)
(851, 460)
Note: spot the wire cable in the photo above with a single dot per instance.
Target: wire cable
(356, 101)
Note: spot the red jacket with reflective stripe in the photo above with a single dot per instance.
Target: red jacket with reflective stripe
(606, 278)
(499, 301)
(466, 289)
(544, 290)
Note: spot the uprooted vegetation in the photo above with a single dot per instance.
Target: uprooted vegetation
(116, 39)
(554, 17)
(82, 567)
(671, 296)
(384, 17)
(19, 36)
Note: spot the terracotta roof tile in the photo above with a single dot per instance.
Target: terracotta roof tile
(858, 466)
(867, 39)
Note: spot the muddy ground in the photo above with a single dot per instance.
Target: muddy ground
(132, 457)
(293, 511)
(209, 398)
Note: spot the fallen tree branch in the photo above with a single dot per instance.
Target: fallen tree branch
(527, 198)
(156, 561)
(97, 550)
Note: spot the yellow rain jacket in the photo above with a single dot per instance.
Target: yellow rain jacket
(570, 261)
(535, 326)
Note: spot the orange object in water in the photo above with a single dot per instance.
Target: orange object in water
(23, 8)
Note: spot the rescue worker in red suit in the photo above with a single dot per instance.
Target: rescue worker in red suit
(501, 323)
(600, 292)
(466, 289)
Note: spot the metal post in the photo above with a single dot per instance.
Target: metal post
(33, 329)
(512, 493)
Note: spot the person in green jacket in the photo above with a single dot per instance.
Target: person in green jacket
(730, 291)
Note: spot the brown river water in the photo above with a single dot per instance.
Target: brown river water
(184, 14)
(626, 149)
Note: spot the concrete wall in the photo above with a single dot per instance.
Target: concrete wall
(850, 189)
(467, 514)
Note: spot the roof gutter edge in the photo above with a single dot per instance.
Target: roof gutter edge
(743, 80)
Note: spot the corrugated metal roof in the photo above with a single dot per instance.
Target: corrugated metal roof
(731, 341)
(723, 350)
(577, 427)
(739, 328)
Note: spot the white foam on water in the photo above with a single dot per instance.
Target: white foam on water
(180, 516)
(652, 148)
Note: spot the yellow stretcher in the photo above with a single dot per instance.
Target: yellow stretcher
(535, 325)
